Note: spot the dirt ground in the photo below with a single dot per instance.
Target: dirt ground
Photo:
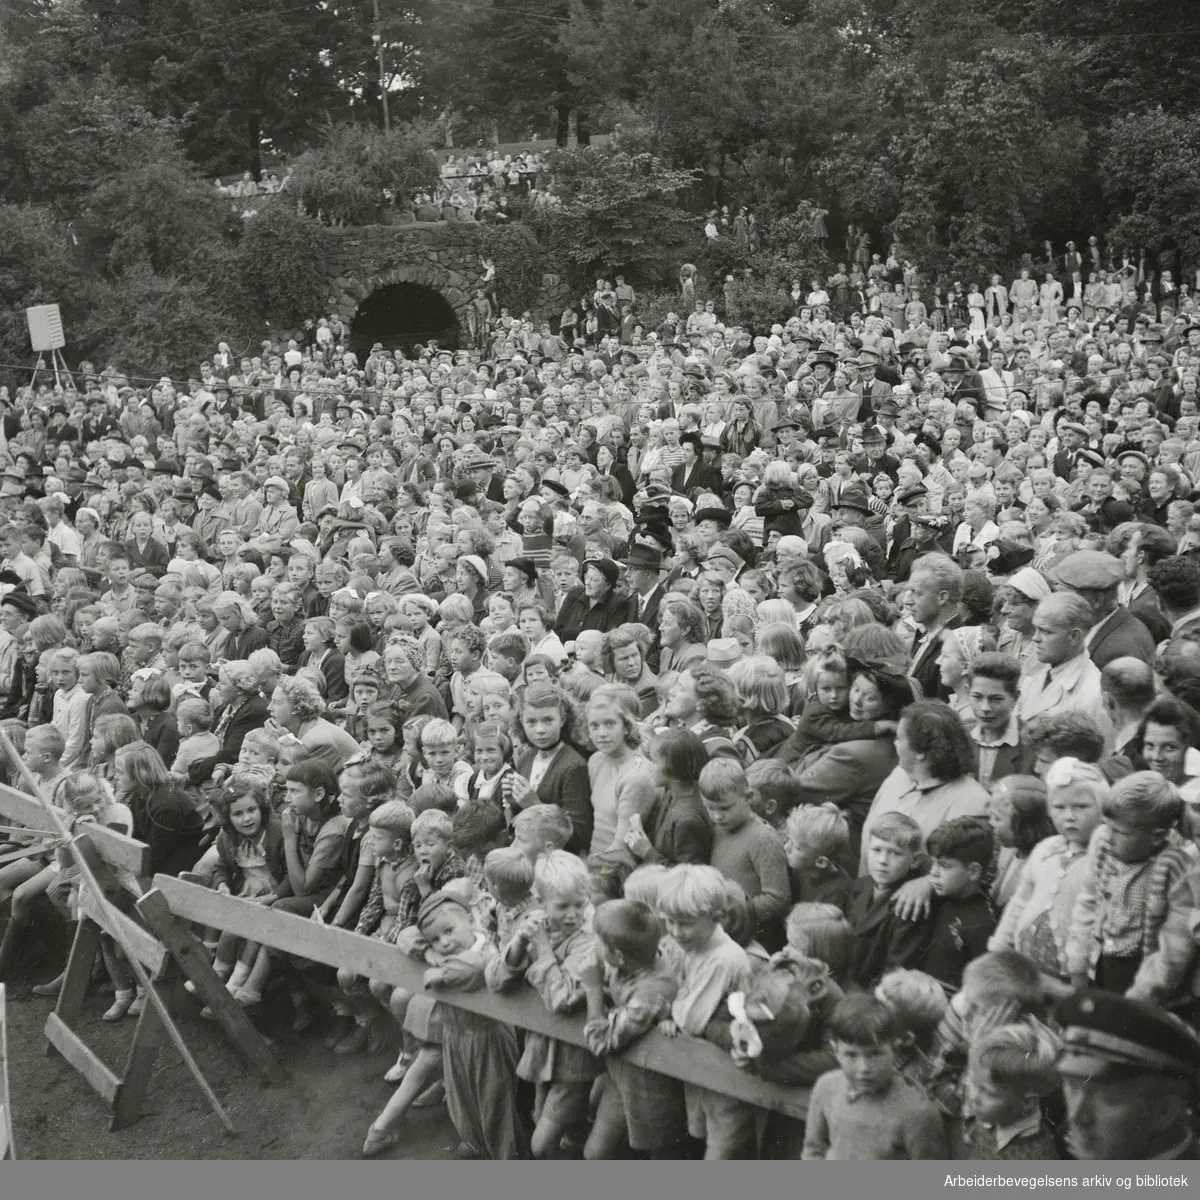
(322, 1113)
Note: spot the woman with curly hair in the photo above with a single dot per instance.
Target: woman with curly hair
(296, 708)
(623, 660)
(704, 699)
(934, 781)
(681, 630)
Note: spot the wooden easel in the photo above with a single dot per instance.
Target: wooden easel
(58, 365)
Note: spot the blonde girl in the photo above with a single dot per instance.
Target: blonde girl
(762, 692)
(621, 777)
(419, 611)
(1037, 919)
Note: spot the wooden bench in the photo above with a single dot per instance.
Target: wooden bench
(172, 902)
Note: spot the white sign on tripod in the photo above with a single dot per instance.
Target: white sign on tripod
(45, 328)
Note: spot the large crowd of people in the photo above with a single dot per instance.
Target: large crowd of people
(829, 692)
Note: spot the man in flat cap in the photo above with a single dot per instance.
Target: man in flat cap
(1071, 439)
(1129, 1073)
(1095, 576)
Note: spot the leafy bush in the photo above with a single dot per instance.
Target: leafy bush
(284, 258)
(617, 213)
(520, 262)
(357, 171)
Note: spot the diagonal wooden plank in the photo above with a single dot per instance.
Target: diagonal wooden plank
(689, 1059)
(193, 961)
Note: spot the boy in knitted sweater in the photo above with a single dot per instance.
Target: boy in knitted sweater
(745, 848)
(1134, 861)
(864, 1109)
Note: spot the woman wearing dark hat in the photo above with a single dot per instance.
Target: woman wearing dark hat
(595, 605)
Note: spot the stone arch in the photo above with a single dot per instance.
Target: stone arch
(380, 256)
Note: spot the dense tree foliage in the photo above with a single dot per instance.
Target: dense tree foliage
(968, 135)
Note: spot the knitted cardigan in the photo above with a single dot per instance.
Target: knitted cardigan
(1168, 866)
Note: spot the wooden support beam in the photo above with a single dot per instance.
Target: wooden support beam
(194, 962)
(691, 1060)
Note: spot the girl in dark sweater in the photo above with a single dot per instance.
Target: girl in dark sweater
(677, 829)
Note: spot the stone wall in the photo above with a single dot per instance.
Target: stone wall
(441, 255)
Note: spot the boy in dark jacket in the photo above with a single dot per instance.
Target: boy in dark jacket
(881, 939)
(963, 919)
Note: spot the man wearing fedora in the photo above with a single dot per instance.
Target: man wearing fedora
(481, 470)
(874, 390)
(963, 383)
(644, 571)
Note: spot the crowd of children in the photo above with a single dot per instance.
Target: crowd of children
(598, 679)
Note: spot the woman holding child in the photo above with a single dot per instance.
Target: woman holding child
(849, 773)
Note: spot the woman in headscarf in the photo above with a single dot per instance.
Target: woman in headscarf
(1024, 590)
(960, 649)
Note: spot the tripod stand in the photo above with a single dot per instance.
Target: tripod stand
(57, 363)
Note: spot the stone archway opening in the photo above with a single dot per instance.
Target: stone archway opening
(401, 315)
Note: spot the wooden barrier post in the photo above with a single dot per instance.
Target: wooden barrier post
(192, 959)
(8, 1146)
(98, 852)
(691, 1060)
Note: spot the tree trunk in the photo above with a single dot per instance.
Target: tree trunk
(562, 132)
(254, 133)
(583, 128)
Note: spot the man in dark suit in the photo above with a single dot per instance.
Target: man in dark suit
(963, 384)
(480, 468)
(1071, 439)
(1094, 576)
(874, 390)
(644, 571)
(1148, 545)
(937, 587)
(692, 476)
(1128, 688)
(550, 771)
